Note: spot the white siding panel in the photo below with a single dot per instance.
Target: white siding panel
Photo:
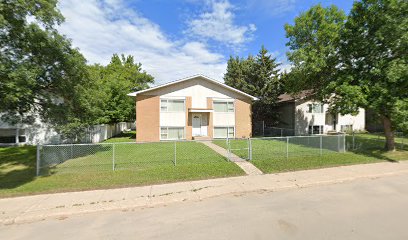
(173, 119)
(199, 90)
(223, 119)
(199, 95)
(357, 121)
(305, 119)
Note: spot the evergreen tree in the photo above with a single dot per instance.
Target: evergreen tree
(259, 77)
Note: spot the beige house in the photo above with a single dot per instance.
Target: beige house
(196, 107)
(307, 116)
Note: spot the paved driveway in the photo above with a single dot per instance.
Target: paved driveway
(361, 209)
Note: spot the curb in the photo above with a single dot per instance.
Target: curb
(197, 191)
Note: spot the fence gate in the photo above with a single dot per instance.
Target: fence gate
(239, 148)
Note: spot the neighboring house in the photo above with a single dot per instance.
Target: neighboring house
(36, 133)
(306, 116)
(42, 133)
(196, 107)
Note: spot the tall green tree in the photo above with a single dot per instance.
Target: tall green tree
(257, 76)
(364, 62)
(374, 59)
(38, 66)
(111, 84)
(313, 43)
(239, 71)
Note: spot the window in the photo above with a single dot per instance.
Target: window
(171, 133)
(223, 132)
(8, 135)
(316, 129)
(315, 108)
(172, 105)
(347, 128)
(223, 106)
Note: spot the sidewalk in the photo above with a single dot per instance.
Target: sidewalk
(245, 165)
(60, 205)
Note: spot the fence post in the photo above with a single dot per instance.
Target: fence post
(354, 146)
(229, 149)
(287, 148)
(281, 132)
(321, 145)
(263, 129)
(113, 157)
(338, 143)
(344, 142)
(249, 149)
(38, 160)
(175, 153)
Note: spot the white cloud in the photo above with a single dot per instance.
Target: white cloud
(102, 28)
(218, 24)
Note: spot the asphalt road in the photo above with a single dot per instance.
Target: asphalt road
(362, 209)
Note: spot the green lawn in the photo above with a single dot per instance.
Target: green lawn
(269, 155)
(91, 167)
(84, 167)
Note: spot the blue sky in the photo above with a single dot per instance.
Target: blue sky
(179, 38)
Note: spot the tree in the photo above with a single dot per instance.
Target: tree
(313, 43)
(111, 84)
(38, 66)
(374, 60)
(239, 72)
(364, 62)
(257, 76)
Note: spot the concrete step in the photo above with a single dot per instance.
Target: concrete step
(203, 138)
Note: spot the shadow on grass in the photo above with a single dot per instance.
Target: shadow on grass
(17, 166)
(129, 135)
(372, 147)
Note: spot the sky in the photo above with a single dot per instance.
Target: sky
(173, 39)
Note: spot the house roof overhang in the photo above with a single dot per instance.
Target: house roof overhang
(133, 94)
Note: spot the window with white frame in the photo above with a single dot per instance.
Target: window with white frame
(12, 135)
(172, 105)
(171, 133)
(315, 108)
(223, 106)
(224, 132)
(316, 129)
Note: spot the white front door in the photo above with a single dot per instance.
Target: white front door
(196, 125)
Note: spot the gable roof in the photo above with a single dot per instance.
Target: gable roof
(133, 94)
(289, 97)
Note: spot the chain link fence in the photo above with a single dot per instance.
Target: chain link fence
(52, 159)
(260, 129)
(356, 141)
(179, 156)
(285, 147)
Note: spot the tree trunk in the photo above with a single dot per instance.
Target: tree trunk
(389, 134)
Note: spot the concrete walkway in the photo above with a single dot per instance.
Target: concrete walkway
(60, 205)
(248, 167)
